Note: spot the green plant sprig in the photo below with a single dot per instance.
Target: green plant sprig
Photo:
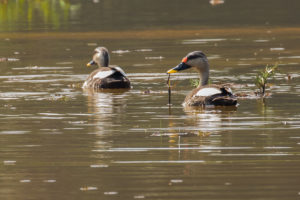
(263, 76)
(194, 82)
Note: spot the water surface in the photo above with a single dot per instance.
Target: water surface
(59, 141)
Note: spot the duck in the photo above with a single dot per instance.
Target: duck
(106, 76)
(205, 94)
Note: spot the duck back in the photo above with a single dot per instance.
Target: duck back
(107, 78)
(211, 95)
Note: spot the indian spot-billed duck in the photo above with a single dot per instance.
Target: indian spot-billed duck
(106, 76)
(204, 94)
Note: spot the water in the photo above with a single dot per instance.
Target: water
(61, 142)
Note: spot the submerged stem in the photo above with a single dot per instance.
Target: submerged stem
(169, 89)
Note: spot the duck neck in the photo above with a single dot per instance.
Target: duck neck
(104, 62)
(203, 75)
(204, 78)
(104, 59)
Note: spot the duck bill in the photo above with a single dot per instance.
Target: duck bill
(91, 63)
(180, 67)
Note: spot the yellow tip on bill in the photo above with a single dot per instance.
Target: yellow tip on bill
(171, 71)
(88, 65)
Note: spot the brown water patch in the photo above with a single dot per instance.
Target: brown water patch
(155, 34)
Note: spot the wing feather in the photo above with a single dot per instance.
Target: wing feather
(103, 74)
(205, 92)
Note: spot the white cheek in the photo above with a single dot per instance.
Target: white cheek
(205, 92)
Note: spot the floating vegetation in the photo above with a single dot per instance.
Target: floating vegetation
(9, 59)
(88, 188)
(147, 91)
(49, 181)
(182, 134)
(261, 40)
(98, 166)
(75, 85)
(262, 78)
(25, 181)
(277, 49)
(62, 98)
(143, 50)
(216, 2)
(203, 41)
(121, 51)
(289, 77)
(154, 58)
(139, 197)
(111, 193)
(92, 44)
(176, 181)
(9, 162)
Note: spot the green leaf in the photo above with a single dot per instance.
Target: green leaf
(263, 76)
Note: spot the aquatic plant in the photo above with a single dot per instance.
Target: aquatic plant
(57, 97)
(263, 76)
(194, 82)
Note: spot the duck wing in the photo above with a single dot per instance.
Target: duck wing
(217, 95)
(103, 74)
(208, 91)
(106, 72)
(107, 77)
(97, 75)
(119, 69)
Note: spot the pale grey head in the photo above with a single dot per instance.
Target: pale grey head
(101, 57)
(197, 60)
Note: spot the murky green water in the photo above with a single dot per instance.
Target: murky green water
(58, 141)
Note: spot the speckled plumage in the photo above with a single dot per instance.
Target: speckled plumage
(204, 95)
(114, 81)
(105, 77)
(224, 98)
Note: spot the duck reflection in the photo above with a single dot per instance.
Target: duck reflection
(193, 134)
(209, 119)
(104, 109)
(199, 122)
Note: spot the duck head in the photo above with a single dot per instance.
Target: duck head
(197, 60)
(100, 57)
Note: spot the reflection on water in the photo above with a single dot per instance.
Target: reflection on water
(211, 119)
(106, 109)
(83, 15)
(59, 141)
(28, 14)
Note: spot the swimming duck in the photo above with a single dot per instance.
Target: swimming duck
(105, 76)
(204, 94)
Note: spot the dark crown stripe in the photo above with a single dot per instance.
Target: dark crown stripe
(196, 54)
